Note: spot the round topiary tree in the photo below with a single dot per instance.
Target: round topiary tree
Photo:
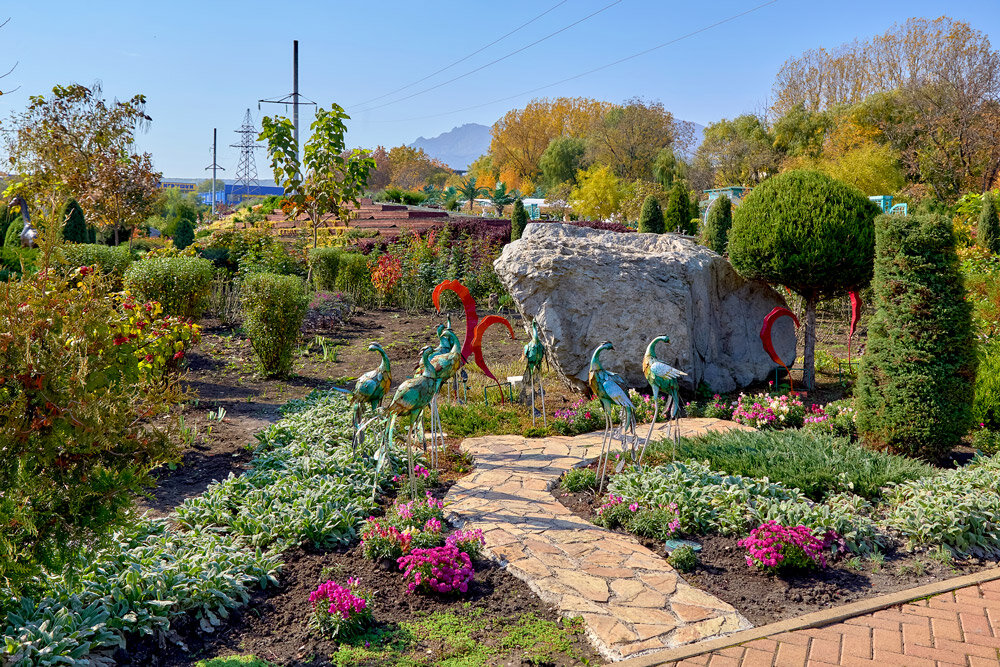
(810, 233)
(988, 230)
(915, 390)
(74, 224)
(651, 217)
(183, 234)
(678, 213)
(518, 220)
(717, 224)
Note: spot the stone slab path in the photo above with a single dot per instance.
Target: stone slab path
(632, 601)
(961, 627)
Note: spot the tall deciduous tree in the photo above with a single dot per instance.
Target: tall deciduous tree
(739, 151)
(810, 233)
(561, 160)
(598, 193)
(328, 178)
(74, 143)
(629, 137)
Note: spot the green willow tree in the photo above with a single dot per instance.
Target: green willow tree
(810, 233)
(327, 178)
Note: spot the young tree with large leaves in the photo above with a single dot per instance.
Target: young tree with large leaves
(810, 233)
(469, 190)
(75, 143)
(501, 197)
(328, 177)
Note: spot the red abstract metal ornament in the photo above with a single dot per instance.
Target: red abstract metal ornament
(768, 342)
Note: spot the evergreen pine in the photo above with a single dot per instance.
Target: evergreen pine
(74, 224)
(518, 220)
(717, 224)
(183, 234)
(651, 217)
(678, 213)
(13, 237)
(7, 216)
(915, 389)
(988, 231)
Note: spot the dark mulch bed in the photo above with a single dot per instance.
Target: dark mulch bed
(762, 598)
(274, 626)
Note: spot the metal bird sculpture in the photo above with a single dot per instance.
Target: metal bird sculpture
(661, 377)
(28, 232)
(534, 354)
(410, 399)
(369, 391)
(443, 367)
(610, 388)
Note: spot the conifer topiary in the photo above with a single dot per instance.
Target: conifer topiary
(915, 390)
(74, 224)
(13, 236)
(678, 213)
(518, 220)
(183, 234)
(651, 217)
(810, 233)
(717, 224)
(988, 231)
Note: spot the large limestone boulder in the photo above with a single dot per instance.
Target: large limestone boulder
(585, 286)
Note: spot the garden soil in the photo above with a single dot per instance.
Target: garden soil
(763, 598)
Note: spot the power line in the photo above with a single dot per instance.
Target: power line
(494, 62)
(588, 72)
(464, 58)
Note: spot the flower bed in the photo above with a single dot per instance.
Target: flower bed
(303, 487)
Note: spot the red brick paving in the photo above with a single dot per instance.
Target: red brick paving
(960, 628)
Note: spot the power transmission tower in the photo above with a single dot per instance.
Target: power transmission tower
(214, 166)
(246, 171)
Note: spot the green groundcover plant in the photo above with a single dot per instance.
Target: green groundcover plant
(304, 486)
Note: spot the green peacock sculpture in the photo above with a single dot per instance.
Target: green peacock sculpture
(610, 389)
(534, 355)
(443, 366)
(662, 377)
(369, 391)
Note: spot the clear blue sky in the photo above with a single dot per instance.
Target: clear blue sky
(202, 64)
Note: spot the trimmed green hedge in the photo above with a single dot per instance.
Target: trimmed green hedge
(181, 284)
(274, 307)
(112, 260)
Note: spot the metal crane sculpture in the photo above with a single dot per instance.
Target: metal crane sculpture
(534, 354)
(28, 232)
(443, 367)
(610, 388)
(410, 399)
(661, 377)
(369, 391)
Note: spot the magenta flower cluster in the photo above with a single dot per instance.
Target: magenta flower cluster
(764, 411)
(418, 471)
(612, 501)
(339, 610)
(433, 525)
(462, 537)
(440, 570)
(772, 547)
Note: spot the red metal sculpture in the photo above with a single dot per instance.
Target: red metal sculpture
(765, 337)
(855, 316)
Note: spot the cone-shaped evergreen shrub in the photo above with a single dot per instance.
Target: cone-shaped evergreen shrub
(719, 220)
(651, 217)
(988, 231)
(183, 234)
(810, 233)
(273, 309)
(518, 220)
(915, 390)
(678, 213)
(13, 237)
(986, 407)
(7, 216)
(74, 224)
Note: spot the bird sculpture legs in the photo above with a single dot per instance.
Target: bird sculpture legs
(656, 410)
(437, 433)
(541, 391)
(605, 442)
(672, 425)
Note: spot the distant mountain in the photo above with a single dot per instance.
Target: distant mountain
(457, 147)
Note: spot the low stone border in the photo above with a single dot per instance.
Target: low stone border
(813, 620)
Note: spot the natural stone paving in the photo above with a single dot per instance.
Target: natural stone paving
(961, 627)
(631, 600)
